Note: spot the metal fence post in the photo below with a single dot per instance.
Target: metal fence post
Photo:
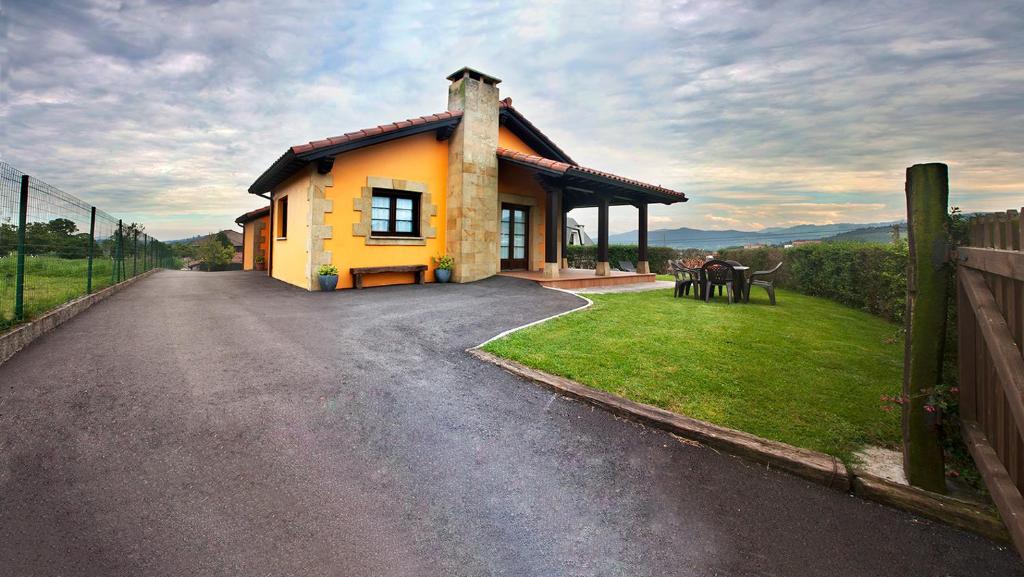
(135, 252)
(19, 290)
(120, 250)
(92, 245)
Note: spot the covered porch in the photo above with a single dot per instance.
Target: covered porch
(576, 278)
(569, 186)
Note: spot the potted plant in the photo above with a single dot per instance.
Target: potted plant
(328, 277)
(261, 264)
(443, 272)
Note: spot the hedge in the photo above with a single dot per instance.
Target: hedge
(868, 276)
(585, 256)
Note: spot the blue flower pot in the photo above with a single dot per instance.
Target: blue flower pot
(442, 275)
(328, 282)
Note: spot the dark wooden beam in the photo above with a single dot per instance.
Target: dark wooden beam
(324, 165)
(551, 221)
(445, 132)
(601, 190)
(602, 229)
(564, 220)
(642, 232)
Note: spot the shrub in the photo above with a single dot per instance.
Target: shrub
(868, 276)
(215, 253)
(327, 270)
(445, 262)
(585, 256)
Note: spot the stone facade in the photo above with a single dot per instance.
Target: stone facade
(472, 201)
(364, 203)
(318, 231)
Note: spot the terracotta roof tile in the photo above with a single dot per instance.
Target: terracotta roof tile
(563, 168)
(368, 132)
(542, 162)
(253, 215)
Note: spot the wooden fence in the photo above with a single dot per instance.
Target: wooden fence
(990, 313)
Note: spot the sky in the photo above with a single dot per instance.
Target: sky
(765, 113)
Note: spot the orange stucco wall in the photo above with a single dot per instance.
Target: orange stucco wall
(508, 139)
(419, 158)
(252, 247)
(247, 253)
(291, 254)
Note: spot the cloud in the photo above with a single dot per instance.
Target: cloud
(765, 114)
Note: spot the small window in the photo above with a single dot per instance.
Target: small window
(395, 213)
(282, 218)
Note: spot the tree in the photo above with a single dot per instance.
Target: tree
(214, 254)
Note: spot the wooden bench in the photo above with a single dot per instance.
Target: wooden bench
(357, 273)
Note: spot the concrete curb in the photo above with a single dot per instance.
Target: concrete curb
(811, 465)
(20, 336)
(587, 304)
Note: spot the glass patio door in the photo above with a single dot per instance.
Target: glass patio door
(515, 237)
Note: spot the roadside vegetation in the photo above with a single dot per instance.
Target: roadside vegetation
(49, 282)
(57, 264)
(808, 372)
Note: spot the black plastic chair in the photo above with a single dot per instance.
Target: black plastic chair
(686, 279)
(764, 279)
(626, 266)
(718, 273)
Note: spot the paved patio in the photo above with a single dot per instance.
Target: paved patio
(226, 424)
(577, 278)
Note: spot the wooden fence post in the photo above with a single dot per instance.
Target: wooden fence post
(927, 189)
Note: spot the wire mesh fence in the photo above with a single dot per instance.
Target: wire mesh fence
(55, 248)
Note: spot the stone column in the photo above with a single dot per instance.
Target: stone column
(642, 266)
(603, 269)
(552, 219)
(472, 213)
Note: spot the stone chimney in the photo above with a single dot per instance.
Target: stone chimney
(472, 203)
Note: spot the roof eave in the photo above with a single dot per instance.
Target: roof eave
(669, 197)
(532, 166)
(291, 162)
(272, 176)
(253, 215)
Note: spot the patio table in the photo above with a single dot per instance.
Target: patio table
(739, 283)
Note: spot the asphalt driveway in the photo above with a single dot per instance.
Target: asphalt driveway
(227, 424)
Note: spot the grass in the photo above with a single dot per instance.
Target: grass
(49, 283)
(808, 372)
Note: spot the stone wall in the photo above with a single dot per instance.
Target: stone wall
(472, 204)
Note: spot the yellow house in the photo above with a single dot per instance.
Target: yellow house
(255, 231)
(478, 182)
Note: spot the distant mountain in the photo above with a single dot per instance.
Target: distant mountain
(185, 240)
(233, 235)
(715, 239)
(881, 234)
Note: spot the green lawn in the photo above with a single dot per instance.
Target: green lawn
(49, 282)
(808, 372)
